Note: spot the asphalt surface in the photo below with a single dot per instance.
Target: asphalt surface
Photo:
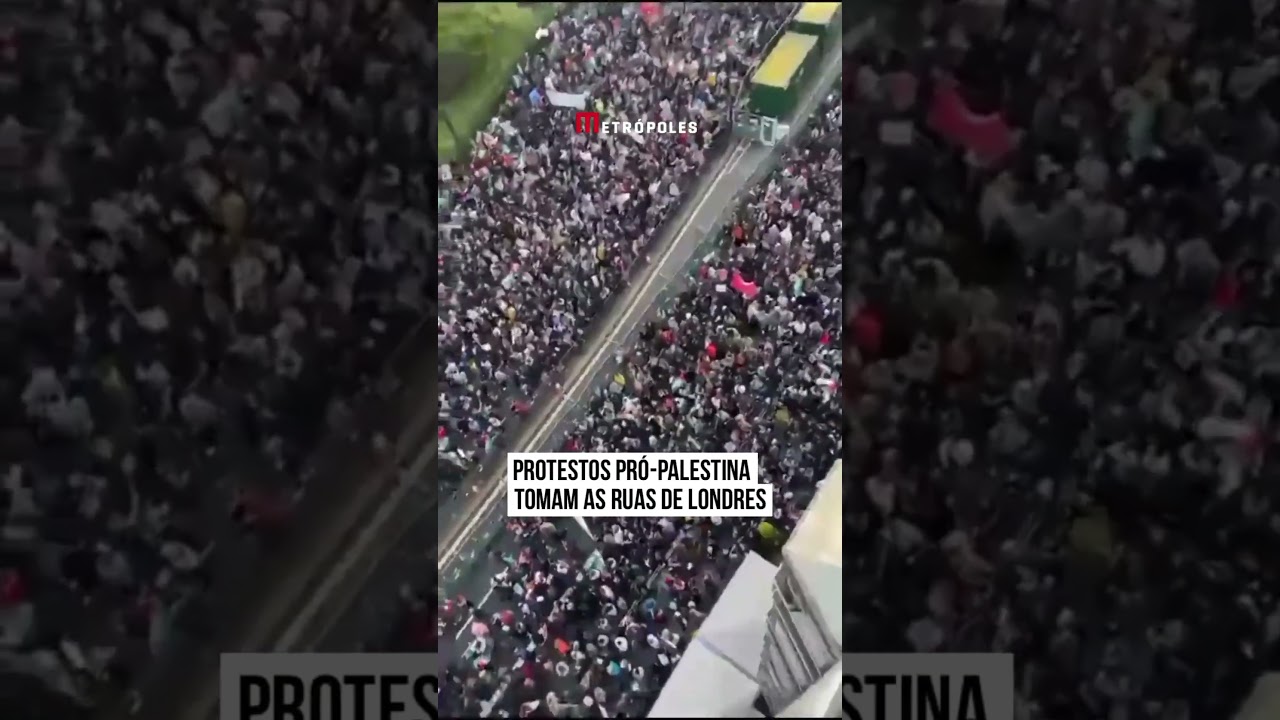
(329, 591)
(421, 532)
(184, 687)
(469, 566)
(467, 572)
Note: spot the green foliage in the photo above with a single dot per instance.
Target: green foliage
(480, 44)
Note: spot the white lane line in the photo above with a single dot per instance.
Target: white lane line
(808, 105)
(585, 374)
(358, 549)
(466, 624)
(203, 708)
(342, 569)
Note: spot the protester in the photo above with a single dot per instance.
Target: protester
(552, 221)
(747, 359)
(1063, 331)
(223, 240)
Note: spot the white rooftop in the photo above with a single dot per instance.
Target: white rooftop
(1264, 702)
(704, 685)
(815, 553)
(716, 676)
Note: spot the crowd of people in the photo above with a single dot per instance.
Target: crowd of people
(219, 235)
(1062, 368)
(1061, 321)
(746, 358)
(549, 222)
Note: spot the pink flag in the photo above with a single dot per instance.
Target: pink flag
(988, 137)
(651, 11)
(748, 289)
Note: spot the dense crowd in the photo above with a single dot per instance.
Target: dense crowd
(1064, 332)
(219, 238)
(550, 222)
(747, 358)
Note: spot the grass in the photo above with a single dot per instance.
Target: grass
(480, 44)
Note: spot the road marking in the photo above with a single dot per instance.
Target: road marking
(466, 625)
(479, 515)
(338, 574)
(204, 708)
(342, 570)
(807, 105)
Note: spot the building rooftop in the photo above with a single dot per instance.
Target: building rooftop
(716, 676)
(784, 60)
(815, 552)
(817, 13)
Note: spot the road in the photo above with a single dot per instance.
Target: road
(462, 566)
(384, 519)
(464, 543)
(373, 596)
(292, 572)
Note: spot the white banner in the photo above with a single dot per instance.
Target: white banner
(573, 100)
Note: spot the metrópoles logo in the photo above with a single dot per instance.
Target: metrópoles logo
(586, 121)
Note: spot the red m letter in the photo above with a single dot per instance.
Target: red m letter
(585, 122)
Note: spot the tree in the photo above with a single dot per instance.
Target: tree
(457, 139)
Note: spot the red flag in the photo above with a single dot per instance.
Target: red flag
(868, 331)
(13, 589)
(651, 11)
(266, 508)
(748, 289)
(1227, 293)
(988, 137)
(422, 630)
